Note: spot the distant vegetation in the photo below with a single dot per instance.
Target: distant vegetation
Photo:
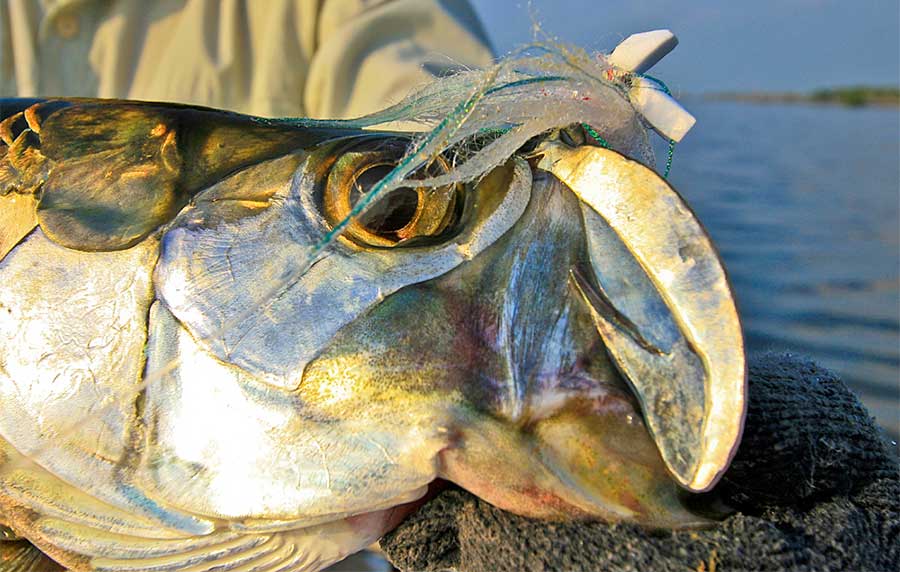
(858, 96)
(854, 96)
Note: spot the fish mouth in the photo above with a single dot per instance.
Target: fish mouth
(658, 412)
(662, 303)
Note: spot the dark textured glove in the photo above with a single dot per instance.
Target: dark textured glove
(815, 486)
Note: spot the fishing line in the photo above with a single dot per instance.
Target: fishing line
(593, 133)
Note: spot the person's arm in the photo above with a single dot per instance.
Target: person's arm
(370, 54)
(18, 49)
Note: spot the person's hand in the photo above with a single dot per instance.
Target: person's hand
(814, 487)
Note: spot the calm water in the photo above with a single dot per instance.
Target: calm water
(803, 204)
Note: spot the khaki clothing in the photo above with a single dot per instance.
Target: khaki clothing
(313, 58)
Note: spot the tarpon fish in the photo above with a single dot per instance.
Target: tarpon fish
(234, 343)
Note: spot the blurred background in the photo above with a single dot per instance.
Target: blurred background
(793, 166)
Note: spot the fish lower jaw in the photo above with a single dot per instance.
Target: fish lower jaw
(588, 457)
(525, 499)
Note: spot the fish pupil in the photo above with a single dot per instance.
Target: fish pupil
(390, 213)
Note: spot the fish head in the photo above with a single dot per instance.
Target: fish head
(584, 347)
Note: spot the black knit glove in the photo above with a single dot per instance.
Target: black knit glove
(815, 485)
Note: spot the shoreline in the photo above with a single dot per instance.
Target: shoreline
(882, 97)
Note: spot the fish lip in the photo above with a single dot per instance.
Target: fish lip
(593, 296)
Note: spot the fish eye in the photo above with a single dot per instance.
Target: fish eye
(390, 214)
(402, 216)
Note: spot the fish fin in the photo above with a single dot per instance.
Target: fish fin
(23, 171)
(18, 218)
(22, 556)
(23, 166)
(108, 173)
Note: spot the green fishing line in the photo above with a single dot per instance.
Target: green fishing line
(669, 158)
(593, 133)
(671, 154)
(605, 144)
(659, 82)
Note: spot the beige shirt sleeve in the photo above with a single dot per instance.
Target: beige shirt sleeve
(371, 53)
(314, 58)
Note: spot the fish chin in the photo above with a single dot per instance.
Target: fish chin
(603, 400)
(591, 458)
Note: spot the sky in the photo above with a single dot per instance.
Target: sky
(725, 45)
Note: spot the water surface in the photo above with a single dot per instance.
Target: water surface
(802, 201)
